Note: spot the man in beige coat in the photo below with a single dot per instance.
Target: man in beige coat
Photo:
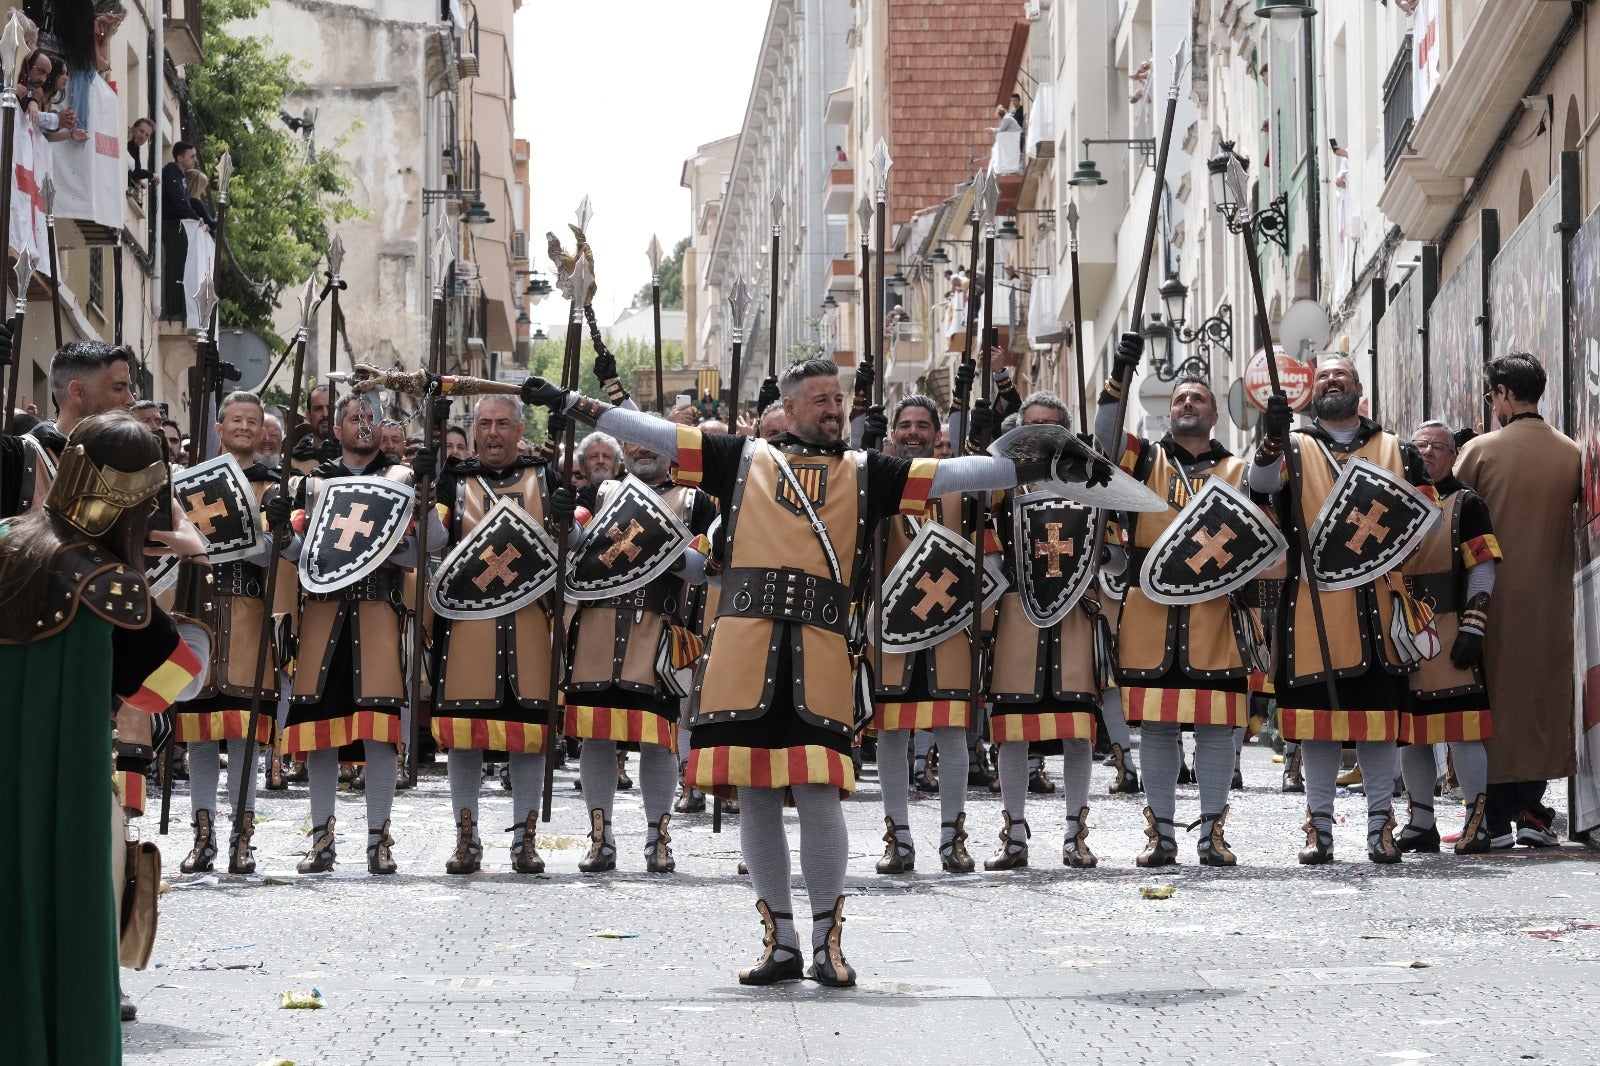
(1530, 474)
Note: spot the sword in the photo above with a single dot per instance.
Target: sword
(10, 46)
(269, 590)
(653, 253)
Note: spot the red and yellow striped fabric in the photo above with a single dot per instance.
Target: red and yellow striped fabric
(919, 484)
(1302, 724)
(621, 724)
(481, 734)
(337, 732)
(130, 789)
(161, 688)
(1445, 727)
(222, 725)
(1484, 549)
(1130, 453)
(922, 714)
(1188, 706)
(1051, 725)
(690, 469)
(714, 769)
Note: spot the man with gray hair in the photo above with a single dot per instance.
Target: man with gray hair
(269, 452)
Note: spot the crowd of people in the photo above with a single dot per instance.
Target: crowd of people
(727, 639)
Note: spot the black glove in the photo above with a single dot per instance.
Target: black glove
(563, 504)
(537, 390)
(875, 428)
(556, 425)
(425, 464)
(866, 374)
(5, 344)
(1278, 418)
(966, 371)
(984, 421)
(605, 365)
(329, 451)
(1130, 347)
(768, 394)
(1467, 651)
(441, 411)
(278, 510)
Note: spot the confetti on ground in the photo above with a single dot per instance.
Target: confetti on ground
(1157, 892)
(613, 934)
(311, 1000)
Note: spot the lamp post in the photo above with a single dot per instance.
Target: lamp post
(1285, 16)
(1228, 197)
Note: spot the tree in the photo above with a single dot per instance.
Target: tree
(671, 281)
(279, 202)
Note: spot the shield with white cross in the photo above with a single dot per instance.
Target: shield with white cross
(631, 540)
(504, 564)
(927, 595)
(1217, 543)
(1367, 526)
(354, 526)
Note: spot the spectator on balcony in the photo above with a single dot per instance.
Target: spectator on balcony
(175, 210)
(57, 119)
(196, 182)
(1017, 113)
(139, 135)
(838, 154)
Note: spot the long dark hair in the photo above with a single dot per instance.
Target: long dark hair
(29, 545)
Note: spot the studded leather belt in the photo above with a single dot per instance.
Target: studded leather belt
(653, 598)
(238, 578)
(781, 594)
(379, 585)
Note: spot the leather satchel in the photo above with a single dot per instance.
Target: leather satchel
(142, 874)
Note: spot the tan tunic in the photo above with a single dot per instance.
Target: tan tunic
(1530, 476)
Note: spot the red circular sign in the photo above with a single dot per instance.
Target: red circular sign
(1293, 375)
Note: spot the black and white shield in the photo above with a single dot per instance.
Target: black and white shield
(1052, 553)
(218, 499)
(1218, 542)
(355, 524)
(1076, 470)
(504, 564)
(1367, 526)
(928, 593)
(631, 540)
(161, 574)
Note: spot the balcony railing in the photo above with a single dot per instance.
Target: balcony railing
(1397, 107)
(467, 60)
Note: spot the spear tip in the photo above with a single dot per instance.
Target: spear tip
(653, 253)
(739, 302)
(585, 213)
(864, 212)
(224, 175)
(306, 300)
(49, 191)
(335, 254)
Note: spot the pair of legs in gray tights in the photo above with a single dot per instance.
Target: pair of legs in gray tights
(824, 849)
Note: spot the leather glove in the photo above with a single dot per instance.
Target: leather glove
(563, 504)
(966, 371)
(329, 452)
(768, 394)
(537, 390)
(984, 422)
(555, 426)
(1467, 651)
(441, 411)
(425, 464)
(278, 510)
(1130, 348)
(5, 343)
(1278, 417)
(875, 428)
(866, 374)
(605, 365)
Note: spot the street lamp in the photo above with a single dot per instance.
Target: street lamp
(1285, 15)
(539, 334)
(829, 303)
(1087, 180)
(1008, 231)
(897, 280)
(478, 218)
(1173, 294)
(939, 257)
(1214, 331)
(1157, 341)
(1228, 169)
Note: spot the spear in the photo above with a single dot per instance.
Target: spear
(980, 184)
(224, 177)
(772, 302)
(49, 191)
(10, 46)
(737, 305)
(1077, 316)
(270, 585)
(653, 253)
(881, 163)
(864, 217)
(986, 200)
(24, 272)
(336, 284)
(581, 281)
(991, 199)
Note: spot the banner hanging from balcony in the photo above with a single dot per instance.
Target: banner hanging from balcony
(92, 174)
(30, 165)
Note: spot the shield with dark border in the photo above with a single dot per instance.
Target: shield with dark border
(1077, 471)
(631, 540)
(1367, 526)
(1052, 553)
(1217, 543)
(504, 564)
(927, 594)
(220, 501)
(355, 524)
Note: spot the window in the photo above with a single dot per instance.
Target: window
(97, 280)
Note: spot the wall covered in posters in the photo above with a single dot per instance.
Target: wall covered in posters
(1585, 362)
(1525, 297)
(1398, 361)
(1455, 347)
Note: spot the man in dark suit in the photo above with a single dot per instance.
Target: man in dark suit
(174, 209)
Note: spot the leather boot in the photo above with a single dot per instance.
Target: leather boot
(380, 856)
(1161, 848)
(602, 853)
(1186, 770)
(1294, 779)
(319, 860)
(689, 801)
(1475, 836)
(1075, 848)
(1319, 844)
(897, 858)
(276, 781)
(1127, 777)
(297, 773)
(404, 777)
(1381, 847)
(778, 962)
(468, 856)
(1013, 853)
(1039, 781)
(624, 782)
(241, 856)
(831, 969)
(658, 856)
(199, 859)
(953, 856)
(525, 858)
(1412, 838)
(1213, 847)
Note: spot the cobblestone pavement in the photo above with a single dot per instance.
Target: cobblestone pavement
(1485, 960)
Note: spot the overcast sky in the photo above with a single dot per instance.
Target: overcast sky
(613, 97)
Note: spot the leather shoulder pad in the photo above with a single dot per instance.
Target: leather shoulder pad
(116, 592)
